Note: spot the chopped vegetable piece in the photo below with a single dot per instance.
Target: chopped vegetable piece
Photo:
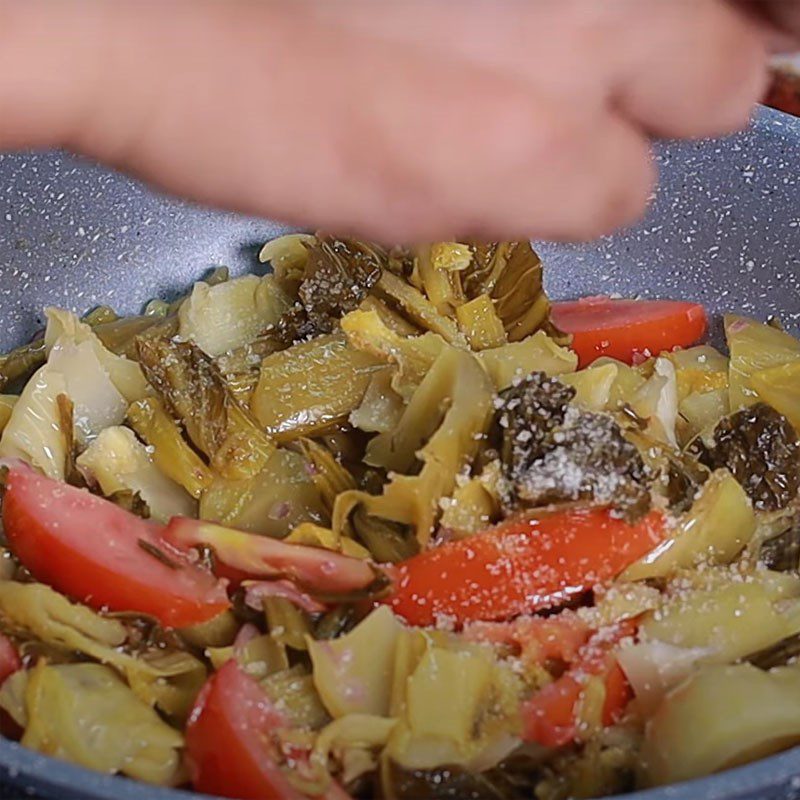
(754, 347)
(628, 329)
(119, 462)
(762, 451)
(521, 566)
(511, 273)
(311, 385)
(194, 391)
(719, 718)
(88, 548)
(84, 713)
(554, 452)
(171, 454)
(716, 529)
(317, 570)
(780, 388)
(337, 275)
(223, 317)
(232, 745)
(480, 323)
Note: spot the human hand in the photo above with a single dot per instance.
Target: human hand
(416, 119)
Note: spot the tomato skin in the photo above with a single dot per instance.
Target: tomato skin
(550, 717)
(88, 548)
(227, 741)
(628, 329)
(521, 566)
(225, 745)
(10, 661)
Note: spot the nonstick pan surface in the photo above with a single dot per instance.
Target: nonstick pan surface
(724, 230)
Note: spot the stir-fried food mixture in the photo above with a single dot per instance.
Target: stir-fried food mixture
(389, 524)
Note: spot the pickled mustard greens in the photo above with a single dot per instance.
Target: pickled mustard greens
(362, 528)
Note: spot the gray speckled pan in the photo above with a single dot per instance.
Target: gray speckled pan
(724, 229)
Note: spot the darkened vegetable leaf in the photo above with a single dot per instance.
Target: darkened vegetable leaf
(778, 655)
(781, 552)
(337, 277)
(22, 361)
(761, 449)
(511, 274)
(192, 388)
(554, 452)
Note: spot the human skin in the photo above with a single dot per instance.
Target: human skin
(401, 120)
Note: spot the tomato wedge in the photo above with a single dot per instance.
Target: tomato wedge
(10, 661)
(251, 556)
(228, 745)
(521, 566)
(108, 558)
(552, 716)
(628, 329)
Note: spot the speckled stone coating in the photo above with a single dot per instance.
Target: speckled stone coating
(724, 229)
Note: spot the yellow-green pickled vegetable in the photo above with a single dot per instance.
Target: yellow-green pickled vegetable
(327, 474)
(480, 324)
(351, 739)
(418, 308)
(310, 385)
(353, 674)
(657, 402)
(193, 390)
(381, 407)
(33, 431)
(461, 707)
(170, 452)
(436, 270)
(7, 403)
(217, 632)
(780, 387)
(754, 347)
(722, 717)
(292, 690)
(728, 621)
(414, 499)
(513, 361)
(472, 508)
(12, 697)
(273, 502)
(259, 657)
(593, 386)
(286, 623)
(169, 680)
(287, 255)
(85, 714)
(699, 369)
(33, 609)
(118, 461)
(224, 317)
(717, 528)
(413, 355)
(702, 412)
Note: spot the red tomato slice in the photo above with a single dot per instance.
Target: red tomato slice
(536, 639)
(520, 566)
(228, 745)
(247, 555)
(10, 661)
(94, 551)
(551, 716)
(628, 329)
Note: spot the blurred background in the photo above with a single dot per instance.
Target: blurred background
(784, 93)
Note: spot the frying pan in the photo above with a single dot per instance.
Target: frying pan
(724, 229)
